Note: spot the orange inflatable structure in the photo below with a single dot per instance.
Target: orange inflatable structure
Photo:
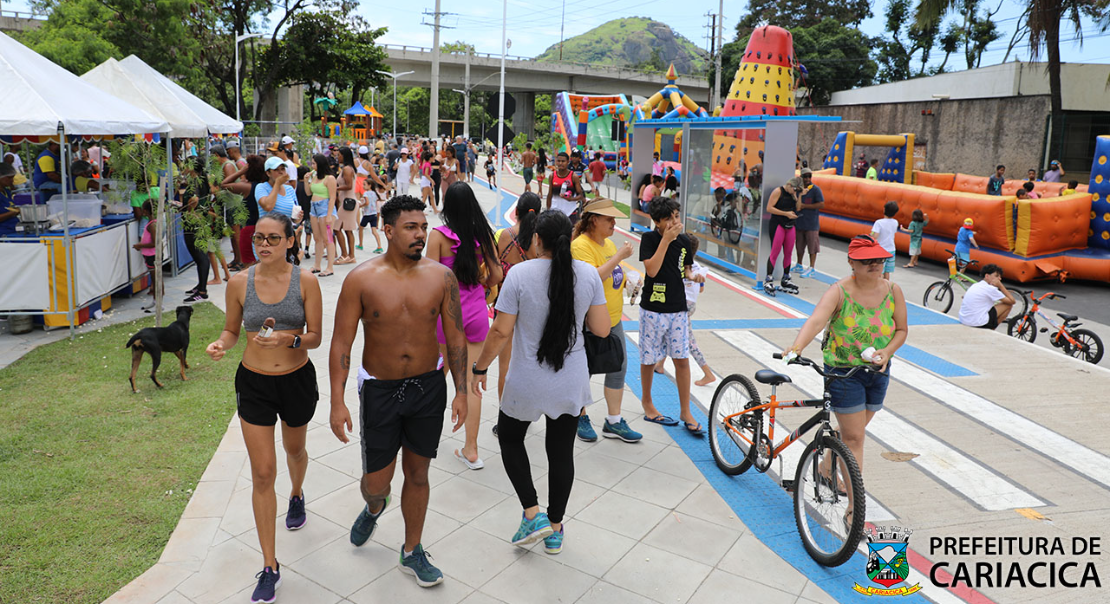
(1030, 239)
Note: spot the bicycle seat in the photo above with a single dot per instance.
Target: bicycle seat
(1068, 318)
(771, 378)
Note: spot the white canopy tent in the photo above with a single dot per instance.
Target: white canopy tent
(149, 94)
(217, 121)
(40, 100)
(37, 96)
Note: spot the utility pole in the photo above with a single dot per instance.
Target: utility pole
(466, 98)
(712, 54)
(720, 41)
(433, 109)
(562, 24)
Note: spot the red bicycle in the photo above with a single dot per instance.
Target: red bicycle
(1080, 343)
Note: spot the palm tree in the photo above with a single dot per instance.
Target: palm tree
(1044, 20)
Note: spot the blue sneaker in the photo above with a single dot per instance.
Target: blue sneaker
(808, 273)
(417, 565)
(553, 543)
(366, 523)
(620, 430)
(533, 530)
(296, 517)
(268, 582)
(797, 268)
(585, 430)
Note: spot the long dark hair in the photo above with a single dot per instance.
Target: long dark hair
(527, 211)
(323, 168)
(560, 330)
(256, 169)
(348, 157)
(542, 155)
(290, 233)
(463, 215)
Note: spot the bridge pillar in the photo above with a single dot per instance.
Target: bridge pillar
(524, 120)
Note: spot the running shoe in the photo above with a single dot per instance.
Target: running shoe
(553, 543)
(533, 530)
(378, 251)
(296, 517)
(797, 268)
(365, 524)
(268, 582)
(196, 297)
(418, 565)
(358, 247)
(808, 273)
(585, 430)
(620, 430)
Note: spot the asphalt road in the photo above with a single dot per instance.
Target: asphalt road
(1087, 300)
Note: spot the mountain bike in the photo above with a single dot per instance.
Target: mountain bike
(829, 506)
(1082, 344)
(940, 295)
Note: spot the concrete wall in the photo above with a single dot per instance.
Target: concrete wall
(1084, 86)
(970, 136)
(8, 23)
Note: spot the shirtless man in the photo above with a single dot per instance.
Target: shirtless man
(528, 160)
(398, 297)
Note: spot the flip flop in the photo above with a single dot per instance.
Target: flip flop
(697, 430)
(315, 271)
(477, 464)
(325, 274)
(662, 420)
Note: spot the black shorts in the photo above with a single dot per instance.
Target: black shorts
(401, 413)
(992, 319)
(149, 262)
(262, 398)
(369, 220)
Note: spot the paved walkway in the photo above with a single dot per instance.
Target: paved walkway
(1009, 441)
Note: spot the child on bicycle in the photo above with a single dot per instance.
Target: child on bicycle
(964, 240)
(848, 312)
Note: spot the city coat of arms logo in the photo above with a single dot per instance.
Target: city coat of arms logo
(887, 564)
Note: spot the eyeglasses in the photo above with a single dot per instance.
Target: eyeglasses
(867, 262)
(272, 240)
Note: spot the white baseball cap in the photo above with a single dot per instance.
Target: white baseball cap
(363, 150)
(404, 150)
(287, 140)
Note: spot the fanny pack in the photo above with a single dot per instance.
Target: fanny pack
(350, 204)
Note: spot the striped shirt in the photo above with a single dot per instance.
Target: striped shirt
(285, 201)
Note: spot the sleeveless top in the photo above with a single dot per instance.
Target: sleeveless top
(854, 328)
(148, 238)
(472, 296)
(287, 314)
(505, 266)
(319, 189)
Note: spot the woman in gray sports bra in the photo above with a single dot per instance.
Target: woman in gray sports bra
(278, 304)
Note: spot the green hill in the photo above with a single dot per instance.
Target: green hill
(632, 41)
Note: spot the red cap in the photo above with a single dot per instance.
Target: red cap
(863, 247)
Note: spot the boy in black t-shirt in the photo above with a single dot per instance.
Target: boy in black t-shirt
(667, 255)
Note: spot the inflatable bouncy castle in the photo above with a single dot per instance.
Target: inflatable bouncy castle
(763, 85)
(593, 122)
(1054, 237)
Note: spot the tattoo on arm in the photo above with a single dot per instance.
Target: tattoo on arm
(457, 361)
(454, 305)
(345, 361)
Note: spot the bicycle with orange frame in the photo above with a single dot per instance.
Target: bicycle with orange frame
(1082, 344)
(829, 506)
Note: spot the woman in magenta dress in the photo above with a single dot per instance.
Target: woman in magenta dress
(477, 269)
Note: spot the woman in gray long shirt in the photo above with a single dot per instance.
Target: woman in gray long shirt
(552, 296)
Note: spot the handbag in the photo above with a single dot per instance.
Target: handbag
(603, 355)
(350, 204)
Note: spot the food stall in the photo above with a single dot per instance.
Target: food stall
(61, 274)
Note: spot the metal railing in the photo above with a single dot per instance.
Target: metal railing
(16, 14)
(487, 55)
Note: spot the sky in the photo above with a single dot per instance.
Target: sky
(534, 25)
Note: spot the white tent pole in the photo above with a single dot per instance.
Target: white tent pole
(67, 244)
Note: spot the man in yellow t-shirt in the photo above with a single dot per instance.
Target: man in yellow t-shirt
(592, 245)
(46, 175)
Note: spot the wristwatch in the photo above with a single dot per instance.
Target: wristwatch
(296, 342)
(474, 369)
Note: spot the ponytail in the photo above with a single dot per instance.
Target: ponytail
(527, 212)
(560, 330)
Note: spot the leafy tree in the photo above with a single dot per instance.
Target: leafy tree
(905, 51)
(458, 46)
(791, 14)
(73, 36)
(835, 56)
(324, 48)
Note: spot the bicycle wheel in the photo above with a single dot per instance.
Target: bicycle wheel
(1025, 328)
(939, 296)
(1089, 346)
(731, 435)
(1024, 301)
(829, 507)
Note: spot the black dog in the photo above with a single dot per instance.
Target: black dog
(156, 340)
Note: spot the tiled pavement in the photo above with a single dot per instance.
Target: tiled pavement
(643, 525)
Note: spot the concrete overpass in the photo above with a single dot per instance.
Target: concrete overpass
(524, 77)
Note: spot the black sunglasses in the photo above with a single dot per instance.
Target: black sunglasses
(872, 261)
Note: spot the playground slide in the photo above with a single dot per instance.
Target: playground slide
(599, 132)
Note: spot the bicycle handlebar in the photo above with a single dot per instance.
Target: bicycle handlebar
(800, 360)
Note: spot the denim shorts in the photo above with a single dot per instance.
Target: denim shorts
(864, 390)
(319, 208)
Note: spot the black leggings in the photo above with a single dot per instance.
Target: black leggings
(201, 259)
(435, 191)
(560, 459)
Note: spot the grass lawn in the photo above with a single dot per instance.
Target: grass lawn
(93, 478)
(623, 207)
